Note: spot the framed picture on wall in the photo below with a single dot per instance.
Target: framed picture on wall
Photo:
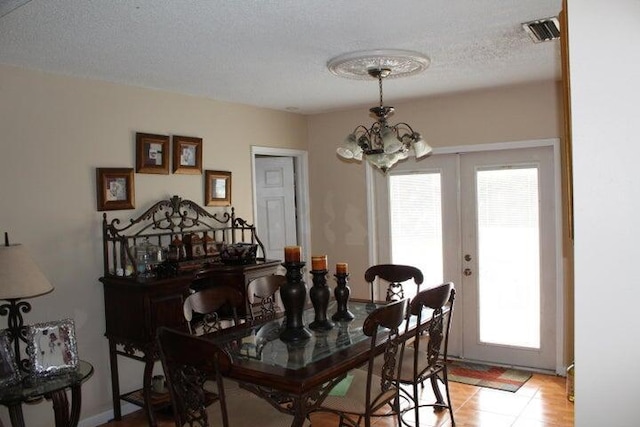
(115, 189)
(52, 347)
(9, 372)
(187, 155)
(217, 188)
(152, 153)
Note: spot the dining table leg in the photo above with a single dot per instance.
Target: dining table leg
(298, 419)
(15, 415)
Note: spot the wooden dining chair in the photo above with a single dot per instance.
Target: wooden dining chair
(395, 275)
(372, 394)
(426, 358)
(191, 364)
(212, 309)
(262, 296)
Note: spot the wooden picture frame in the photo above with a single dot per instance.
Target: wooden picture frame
(9, 371)
(115, 189)
(187, 155)
(217, 188)
(52, 347)
(152, 153)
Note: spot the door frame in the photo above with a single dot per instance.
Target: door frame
(553, 142)
(301, 179)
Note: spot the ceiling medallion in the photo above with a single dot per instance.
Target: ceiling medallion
(401, 63)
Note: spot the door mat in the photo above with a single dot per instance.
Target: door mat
(487, 376)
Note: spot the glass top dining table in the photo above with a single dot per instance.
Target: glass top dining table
(295, 377)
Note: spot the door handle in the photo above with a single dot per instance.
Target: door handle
(467, 272)
(467, 257)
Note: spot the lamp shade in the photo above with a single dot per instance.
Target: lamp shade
(20, 277)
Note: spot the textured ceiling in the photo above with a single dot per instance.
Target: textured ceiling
(273, 53)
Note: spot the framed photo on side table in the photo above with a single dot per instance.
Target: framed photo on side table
(9, 372)
(217, 188)
(187, 155)
(52, 347)
(152, 153)
(115, 189)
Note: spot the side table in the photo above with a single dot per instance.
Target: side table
(51, 388)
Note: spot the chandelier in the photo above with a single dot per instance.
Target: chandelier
(382, 143)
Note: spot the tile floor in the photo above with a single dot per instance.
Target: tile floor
(540, 402)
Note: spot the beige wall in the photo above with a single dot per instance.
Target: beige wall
(338, 192)
(54, 132)
(57, 130)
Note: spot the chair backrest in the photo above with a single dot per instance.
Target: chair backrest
(390, 317)
(188, 362)
(204, 310)
(262, 295)
(395, 274)
(437, 298)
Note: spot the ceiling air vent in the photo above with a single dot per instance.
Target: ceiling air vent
(543, 30)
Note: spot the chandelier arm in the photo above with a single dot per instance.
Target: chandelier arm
(405, 125)
(361, 128)
(363, 137)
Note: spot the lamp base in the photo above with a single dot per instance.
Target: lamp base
(15, 327)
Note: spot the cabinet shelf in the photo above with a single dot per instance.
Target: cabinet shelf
(158, 400)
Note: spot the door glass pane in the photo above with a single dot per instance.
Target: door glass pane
(416, 225)
(508, 256)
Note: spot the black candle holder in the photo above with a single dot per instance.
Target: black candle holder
(293, 295)
(319, 295)
(342, 293)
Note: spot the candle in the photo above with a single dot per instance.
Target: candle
(342, 268)
(319, 262)
(292, 253)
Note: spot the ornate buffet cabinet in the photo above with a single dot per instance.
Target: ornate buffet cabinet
(151, 263)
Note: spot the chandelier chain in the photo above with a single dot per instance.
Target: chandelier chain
(380, 87)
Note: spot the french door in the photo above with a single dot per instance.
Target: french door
(487, 222)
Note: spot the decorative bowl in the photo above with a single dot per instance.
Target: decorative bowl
(238, 253)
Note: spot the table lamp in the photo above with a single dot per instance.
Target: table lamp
(20, 278)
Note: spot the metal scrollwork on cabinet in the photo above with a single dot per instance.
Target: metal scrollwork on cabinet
(154, 261)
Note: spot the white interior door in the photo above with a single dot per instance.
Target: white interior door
(492, 232)
(275, 204)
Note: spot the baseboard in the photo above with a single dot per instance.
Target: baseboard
(107, 416)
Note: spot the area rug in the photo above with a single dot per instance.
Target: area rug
(487, 376)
